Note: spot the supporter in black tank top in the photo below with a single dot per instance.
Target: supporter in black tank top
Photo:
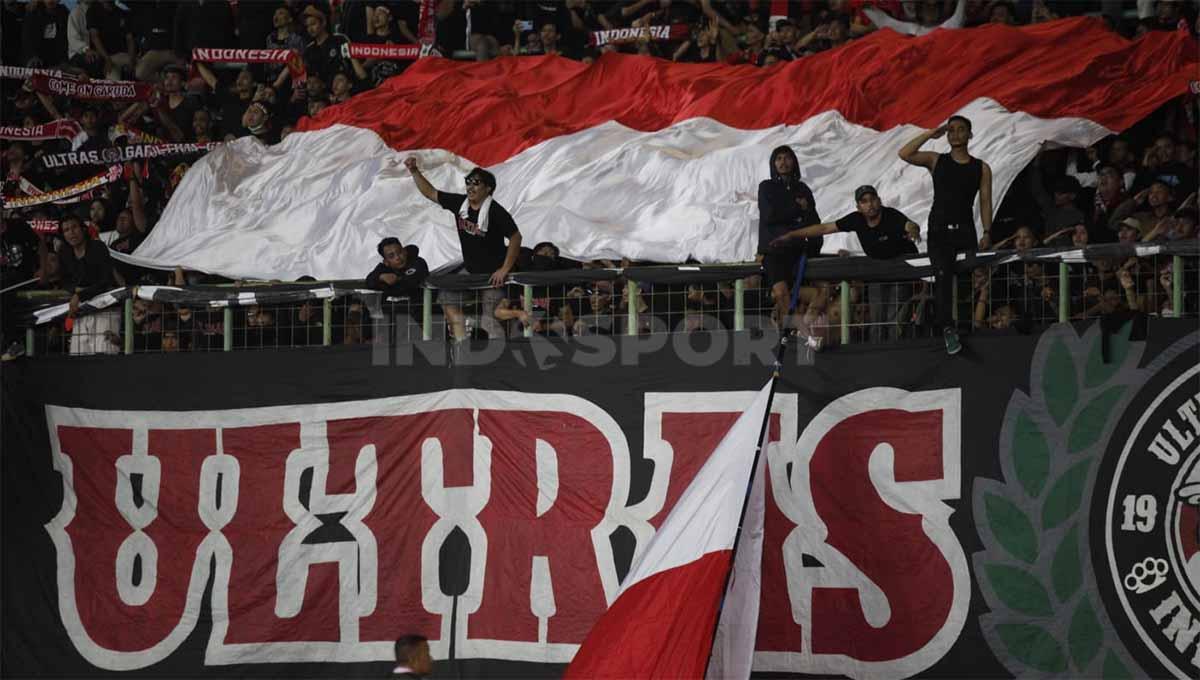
(957, 178)
(954, 188)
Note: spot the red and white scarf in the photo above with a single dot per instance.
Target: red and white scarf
(112, 174)
(384, 52)
(426, 27)
(63, 128)
(621, 36)
(93, 90)
(291, 58)
(22, 73)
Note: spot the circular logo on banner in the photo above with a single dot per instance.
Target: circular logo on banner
(110, 155)
(1090, 564)
(1152, 518)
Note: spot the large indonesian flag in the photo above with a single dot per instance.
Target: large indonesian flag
(662, 623)
(644, 158)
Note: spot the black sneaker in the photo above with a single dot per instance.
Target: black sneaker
(953, 345)
(14, 351)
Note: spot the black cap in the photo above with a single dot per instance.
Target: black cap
(863, 191)
(173, 68)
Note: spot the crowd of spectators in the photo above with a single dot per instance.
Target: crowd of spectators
(1135, 187)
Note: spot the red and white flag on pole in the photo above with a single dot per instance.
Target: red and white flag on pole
(662, 622)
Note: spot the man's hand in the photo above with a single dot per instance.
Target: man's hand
(912, 232)
(113, 338)
(73, 306)
(498, 277)
(1125, 278)
(937, 132)
(1164, 226)
(389, 279)
(411, 163)
(1142, 195)
(985, 242)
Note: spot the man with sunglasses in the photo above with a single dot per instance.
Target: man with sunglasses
(483, 226)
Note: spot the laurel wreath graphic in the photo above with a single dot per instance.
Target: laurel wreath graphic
(1035, 572)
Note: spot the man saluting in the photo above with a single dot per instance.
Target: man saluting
(957, 178)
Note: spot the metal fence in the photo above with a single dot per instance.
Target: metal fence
(1020, 292)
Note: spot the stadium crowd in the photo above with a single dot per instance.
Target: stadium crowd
(1139, 186)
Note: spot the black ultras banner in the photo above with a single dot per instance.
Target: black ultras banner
(1028, 507)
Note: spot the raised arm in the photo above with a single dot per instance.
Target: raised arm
(423, 184)
(683, 48)
(48, 104)
(207, 75)
(360, 71)
(137, 202)
(806, 232)
(911, 153)
(1058, 234)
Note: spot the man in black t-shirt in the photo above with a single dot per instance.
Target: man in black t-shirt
(483, 226)
(324, 55)
(883, 232)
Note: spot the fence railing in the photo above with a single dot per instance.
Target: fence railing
(843, 301)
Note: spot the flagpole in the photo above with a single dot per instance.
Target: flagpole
(776, 370)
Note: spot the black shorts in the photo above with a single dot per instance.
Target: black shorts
(780, 263)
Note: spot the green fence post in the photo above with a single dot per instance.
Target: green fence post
(845, 305)
(739, 305)
(327, 322)
(1064, 292)
(954, 297)
(427, 314)
(29, 341)
(128, 322)
(527, 305)
(631, 289)
(228, 321)
(1177, 286)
